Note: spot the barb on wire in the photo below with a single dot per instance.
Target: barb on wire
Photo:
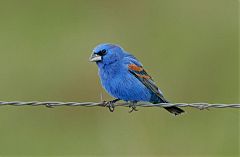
(105, 104)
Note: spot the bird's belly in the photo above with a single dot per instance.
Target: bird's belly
(127, 88)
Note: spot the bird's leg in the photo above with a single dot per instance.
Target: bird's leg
(132, 106)
(110, 104)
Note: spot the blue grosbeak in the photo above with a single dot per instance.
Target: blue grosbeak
(124, 78)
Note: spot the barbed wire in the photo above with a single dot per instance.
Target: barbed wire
(200, 106)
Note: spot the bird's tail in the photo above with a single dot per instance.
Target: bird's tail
(173, 109)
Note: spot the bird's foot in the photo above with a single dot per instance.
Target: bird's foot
(132, 107)
(110, 104)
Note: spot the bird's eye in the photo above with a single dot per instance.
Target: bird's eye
(102, 52)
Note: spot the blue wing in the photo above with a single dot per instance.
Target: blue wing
(136, 68)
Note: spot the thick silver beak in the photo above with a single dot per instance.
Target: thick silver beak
(95, 58)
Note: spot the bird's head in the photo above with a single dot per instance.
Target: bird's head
(107, 54)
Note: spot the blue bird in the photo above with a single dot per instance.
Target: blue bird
(124, 78)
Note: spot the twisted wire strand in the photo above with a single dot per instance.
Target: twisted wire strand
(105, 104)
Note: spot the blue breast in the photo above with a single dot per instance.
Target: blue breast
(120, 83)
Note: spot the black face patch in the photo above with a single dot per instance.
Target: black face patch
(102, 52)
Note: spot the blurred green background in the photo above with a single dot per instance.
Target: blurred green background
(190, 47)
